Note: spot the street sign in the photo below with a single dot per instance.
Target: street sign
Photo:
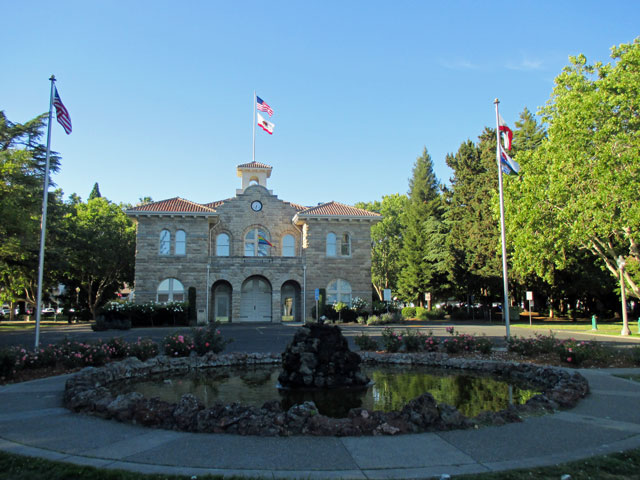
(317, 294)
(529, 295)
(386, 295)
(427, 297)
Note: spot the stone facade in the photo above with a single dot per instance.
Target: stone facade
(239, 276)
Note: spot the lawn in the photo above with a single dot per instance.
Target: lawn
(608, 328)
(22, 325)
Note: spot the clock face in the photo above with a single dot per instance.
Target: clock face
(256, 206)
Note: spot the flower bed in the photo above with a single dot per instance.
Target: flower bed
(88, 392)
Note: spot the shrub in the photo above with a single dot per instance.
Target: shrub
(409, 312)
(529, 347)
(574, 352)
(374, 320)
(391, 317)
(366, 343)
(634, 354)
(114, 323)
(421, 313)
(435, 314)
(391, 341)
(359, 305)
(8, 362)
(144, 349)
(431, 343)
(118, 348)
(178, 345)
(361, 320)
(413, 341)
(209, 339)
(459, 342)
(483, 345)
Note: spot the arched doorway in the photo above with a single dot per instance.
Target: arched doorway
(221, 292)
(255, 301)
(290, 301)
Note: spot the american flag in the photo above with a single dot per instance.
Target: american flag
(263, 107)
(62, 114)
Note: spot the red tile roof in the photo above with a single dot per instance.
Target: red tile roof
(254, 165)
(335, 209)
(173, 205)
(216, 204)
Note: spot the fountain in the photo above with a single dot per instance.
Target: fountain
(318, 358)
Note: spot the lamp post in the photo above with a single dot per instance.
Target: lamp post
(625, 321)
(77, 301)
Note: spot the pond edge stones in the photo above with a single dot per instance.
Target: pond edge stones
(87, 392)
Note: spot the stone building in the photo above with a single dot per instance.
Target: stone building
(253, 257)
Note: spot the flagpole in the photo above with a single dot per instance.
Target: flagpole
(254, 125)
(505, 308)
(43, 224)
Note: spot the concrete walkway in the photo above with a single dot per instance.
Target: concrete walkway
(33, 422)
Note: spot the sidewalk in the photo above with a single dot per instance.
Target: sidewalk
(34, 423)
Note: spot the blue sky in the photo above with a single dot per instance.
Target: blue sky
(160, 93)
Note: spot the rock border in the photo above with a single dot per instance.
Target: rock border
(87, 392)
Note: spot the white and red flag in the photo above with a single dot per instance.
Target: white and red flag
(266, 126)
(505, 132)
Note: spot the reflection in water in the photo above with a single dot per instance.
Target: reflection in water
(392, 388)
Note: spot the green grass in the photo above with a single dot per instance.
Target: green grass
(609, 328)
(620, 466)
(635, 378)
(18, 467)
(623, 465)
(22, 325)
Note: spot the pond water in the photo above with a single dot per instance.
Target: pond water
(392, 388)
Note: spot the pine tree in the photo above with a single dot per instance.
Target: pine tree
(474, 240)
(423, 251)
(528, 134)
(95, 192)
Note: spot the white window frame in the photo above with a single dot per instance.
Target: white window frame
(180, 246)
(252, 245)
(172, 288)
(220, 246)
(164, 247)
(347, 244)
(332, 244)
(339, 290)
(288, 246)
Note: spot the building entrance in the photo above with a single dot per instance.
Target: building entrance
(255, 302)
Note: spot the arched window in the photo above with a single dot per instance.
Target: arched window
(222, 245)
(165, 242)
(331, 244)
(339, 291)
(345, 245)
(256, 243)
(181, 243)
(288, 246)
(170, 290)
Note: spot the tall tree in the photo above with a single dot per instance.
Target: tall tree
(580, 187)
(100, 250)
(386, 239)
(528, 134)
(95, 192)
(22, 166)
(423, 250)
(474, 240)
